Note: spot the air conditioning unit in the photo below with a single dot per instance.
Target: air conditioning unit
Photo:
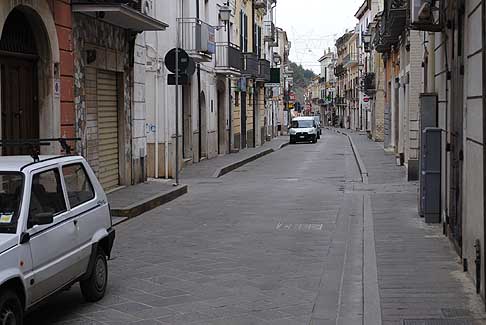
(424, 15)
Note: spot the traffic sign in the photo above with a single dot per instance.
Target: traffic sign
(170, 60)
(366, 99)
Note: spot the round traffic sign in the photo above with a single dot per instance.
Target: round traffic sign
(170, 60)
(366, 99)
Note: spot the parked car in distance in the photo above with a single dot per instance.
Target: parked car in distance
(303, 129)
(317, 118)
(55, 231)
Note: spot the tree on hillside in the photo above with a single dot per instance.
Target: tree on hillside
(302, 77)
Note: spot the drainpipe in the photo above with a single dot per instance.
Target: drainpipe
(156, 111)
(431, 63)
(199, 93)
(483, 39)
(255, 40)
(230, 114)
(166, 133)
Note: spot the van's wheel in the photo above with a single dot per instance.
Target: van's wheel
(11, 312)
(94, 287)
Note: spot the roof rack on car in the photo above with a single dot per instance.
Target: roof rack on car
(35, 144)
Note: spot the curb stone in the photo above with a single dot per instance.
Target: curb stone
(237, 164)
(136, 209)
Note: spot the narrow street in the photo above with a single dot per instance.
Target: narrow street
(287, 239)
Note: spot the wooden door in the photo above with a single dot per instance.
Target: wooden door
(20, 114)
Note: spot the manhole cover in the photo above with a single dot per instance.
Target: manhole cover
(437, 322)
(455, 313)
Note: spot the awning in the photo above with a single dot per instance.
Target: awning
(121, 15)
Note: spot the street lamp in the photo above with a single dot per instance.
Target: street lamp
(224, 13)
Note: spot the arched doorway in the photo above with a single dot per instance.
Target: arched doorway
(28, 50)
(18, 71)
(221, 87)
(203, 128)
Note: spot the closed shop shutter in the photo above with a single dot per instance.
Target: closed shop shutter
(107, 98)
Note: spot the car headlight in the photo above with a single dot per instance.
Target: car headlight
(312, 131)
(292, 131)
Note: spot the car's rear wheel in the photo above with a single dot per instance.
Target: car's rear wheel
(94, 287)
(11, 312)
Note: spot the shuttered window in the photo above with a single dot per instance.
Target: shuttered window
(107, 99)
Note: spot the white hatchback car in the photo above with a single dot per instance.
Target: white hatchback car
(55, 230)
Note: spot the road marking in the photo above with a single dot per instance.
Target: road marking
(299, 226)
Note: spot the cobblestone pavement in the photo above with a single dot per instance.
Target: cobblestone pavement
(281, 240)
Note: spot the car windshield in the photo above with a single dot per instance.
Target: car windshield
(302, 124)
(10, 198)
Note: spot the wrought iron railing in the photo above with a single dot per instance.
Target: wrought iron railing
(228, 56)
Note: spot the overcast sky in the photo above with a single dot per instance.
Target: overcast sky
(314, 25)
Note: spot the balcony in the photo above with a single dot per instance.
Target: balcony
(350, 60)
(339, 71)
(261, 5)
(269, 33)
(197, 39)
(228, 59)
(127, 14)
(275, 75)
(263, 70)
(369, 84)
(250, 65)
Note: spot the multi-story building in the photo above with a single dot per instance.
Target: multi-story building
(71, 80)
(327, 82)
(109, 86)
(401, 49)
(441, 60)
(347, 80)
(286, 80)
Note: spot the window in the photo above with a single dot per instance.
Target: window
(46, 194)
(78, 184)
(10, 198)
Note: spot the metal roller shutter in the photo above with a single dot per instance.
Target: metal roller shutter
(107, 98)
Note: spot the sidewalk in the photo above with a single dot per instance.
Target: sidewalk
(420, 278)
(132, 201)
(217, 167)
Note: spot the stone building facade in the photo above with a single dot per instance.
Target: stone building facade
(36, 39)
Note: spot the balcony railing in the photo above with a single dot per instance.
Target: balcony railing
(369, 83)
(350, 59)
(264, 70)
(197, 39)
(339, 70)
(228, 58)
(249, 65)
(269, 32)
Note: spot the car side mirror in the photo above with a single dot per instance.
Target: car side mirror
(43, 218)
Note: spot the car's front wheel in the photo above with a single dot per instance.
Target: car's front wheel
(11, 312)
(93, 288)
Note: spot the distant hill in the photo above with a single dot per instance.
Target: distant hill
(302, 77)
